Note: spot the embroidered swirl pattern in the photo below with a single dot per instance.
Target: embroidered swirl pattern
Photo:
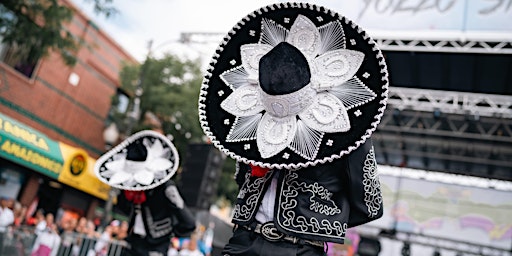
(371, 183)
(251, 191)
(311, 225)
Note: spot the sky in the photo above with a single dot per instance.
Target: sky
(162, 21)
(139, 21)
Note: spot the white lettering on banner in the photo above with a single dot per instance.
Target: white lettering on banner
(499, 5)
(390, 7)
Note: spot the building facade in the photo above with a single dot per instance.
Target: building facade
(52, 118)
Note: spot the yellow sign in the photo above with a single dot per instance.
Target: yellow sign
(78, 172)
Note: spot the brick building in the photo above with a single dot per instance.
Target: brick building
(52, 119)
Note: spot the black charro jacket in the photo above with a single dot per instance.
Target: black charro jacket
(162, 218)
(319, 202)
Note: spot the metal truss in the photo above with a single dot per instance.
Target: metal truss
(443, 141)
(409, 41)
(431, 241)
(468, 133)
(477, 104)
(425, 45)
(444, 41)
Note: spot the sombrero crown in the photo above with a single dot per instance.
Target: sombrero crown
(143, 161)
(293, 85)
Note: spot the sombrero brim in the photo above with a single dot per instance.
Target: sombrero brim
(158, 166)
(236, 135)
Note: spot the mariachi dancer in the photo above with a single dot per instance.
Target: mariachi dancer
(293, 94)
(142, 167)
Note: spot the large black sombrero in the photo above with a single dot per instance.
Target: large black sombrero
(143, 161)
(293, 85)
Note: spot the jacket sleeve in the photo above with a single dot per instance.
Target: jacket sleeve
(365, 196)
(123, 204)
(184, 220)
(241, 171)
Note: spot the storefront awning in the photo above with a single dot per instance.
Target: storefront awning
(28, 147)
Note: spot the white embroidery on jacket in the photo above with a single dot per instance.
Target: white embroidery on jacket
(311, 225)
(250, 193)
(371, 183)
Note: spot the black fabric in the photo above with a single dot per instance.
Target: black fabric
(247, 243)
(342, 179)
(356, 192)
(283, 70)
(162, 210)
(136, 151)
(214, 116)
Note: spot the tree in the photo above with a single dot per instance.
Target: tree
(170, 93)
(36, 27)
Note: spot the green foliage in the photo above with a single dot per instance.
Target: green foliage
(37, 27)
(171, 91)
(168, 95)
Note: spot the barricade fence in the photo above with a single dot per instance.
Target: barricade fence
(27, 241)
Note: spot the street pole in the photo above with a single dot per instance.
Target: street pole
(134, 115)
(132, 119)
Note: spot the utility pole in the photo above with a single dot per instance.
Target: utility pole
(132, 118)
(134, 115)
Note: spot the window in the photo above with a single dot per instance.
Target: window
(20, 58)
(122, 101)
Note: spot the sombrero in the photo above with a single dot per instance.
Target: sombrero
(293, 85)
(143, 161)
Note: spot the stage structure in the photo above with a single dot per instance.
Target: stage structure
(427, 126)
(449, 115)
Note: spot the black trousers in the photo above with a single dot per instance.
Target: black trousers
(138, 246)
(248, 243)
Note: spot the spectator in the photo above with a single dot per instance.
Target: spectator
(43, 223)
(47, 242)
(115, 228)
(39, 216)
(173, 249)
(116, 246)
(102, 244)
(6, 218)
(88, 239)
(6, 214)
(123, 230)
(81, 226)
(19, 214)
(68, 237)
(190, 248)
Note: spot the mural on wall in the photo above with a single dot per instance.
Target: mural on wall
(448, 208)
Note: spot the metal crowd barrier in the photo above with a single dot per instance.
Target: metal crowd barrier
(23, 241)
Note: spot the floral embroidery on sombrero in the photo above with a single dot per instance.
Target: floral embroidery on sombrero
(296, 120)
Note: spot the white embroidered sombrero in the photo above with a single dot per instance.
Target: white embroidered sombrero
(143, 161)
(293, 85)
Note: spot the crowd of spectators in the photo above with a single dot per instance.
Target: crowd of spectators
(42, 234)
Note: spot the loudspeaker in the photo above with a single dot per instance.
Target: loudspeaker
(200, 175)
